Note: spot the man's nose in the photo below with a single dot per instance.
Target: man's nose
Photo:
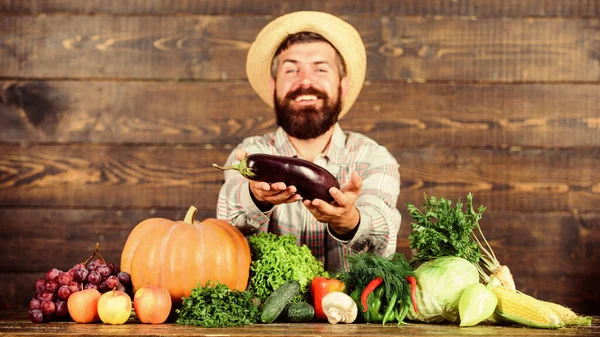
(305, 79)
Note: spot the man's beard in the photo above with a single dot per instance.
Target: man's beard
(307, 122)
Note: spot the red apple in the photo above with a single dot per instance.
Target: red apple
(83, 306)
(114, 307)
(152, 304)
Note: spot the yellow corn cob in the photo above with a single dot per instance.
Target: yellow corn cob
(524, 309)
(567, 315)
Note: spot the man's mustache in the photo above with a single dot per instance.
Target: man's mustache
(305, 91)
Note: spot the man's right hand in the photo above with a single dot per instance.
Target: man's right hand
(266, 195)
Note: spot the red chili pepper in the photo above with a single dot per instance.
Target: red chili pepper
(368, 290)
(413, 290)
(319, 287)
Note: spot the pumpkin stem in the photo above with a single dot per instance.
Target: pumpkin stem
(241, 167)
(189, 216)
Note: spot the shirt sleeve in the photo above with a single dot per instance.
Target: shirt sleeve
(235, 204)
(379, 218)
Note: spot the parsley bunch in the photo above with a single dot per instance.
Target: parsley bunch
(216, 306)
(441, 230)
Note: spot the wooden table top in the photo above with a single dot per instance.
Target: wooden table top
(18, 324)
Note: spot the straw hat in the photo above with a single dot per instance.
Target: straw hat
(337, 31)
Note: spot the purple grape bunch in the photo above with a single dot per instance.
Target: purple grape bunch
(52, 291)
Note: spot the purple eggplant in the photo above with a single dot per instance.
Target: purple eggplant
(311, 180)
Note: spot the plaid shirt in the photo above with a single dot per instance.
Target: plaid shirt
(348, 152)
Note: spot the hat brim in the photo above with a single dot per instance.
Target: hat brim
(338, 32)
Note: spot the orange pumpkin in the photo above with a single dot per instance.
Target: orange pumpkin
(179, 255)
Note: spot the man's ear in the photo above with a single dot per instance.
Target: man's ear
(272, 85)
(345, 86)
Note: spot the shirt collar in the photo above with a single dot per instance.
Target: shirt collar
(335, 153)
(283, 145)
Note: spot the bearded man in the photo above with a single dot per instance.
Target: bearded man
(310, 67)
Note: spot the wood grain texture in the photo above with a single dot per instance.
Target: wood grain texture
(95, 175)
(518, 180)
(159, 176)
(407, 115)
(15, 323)
(214, 47)
(69, 236)
(484, 8)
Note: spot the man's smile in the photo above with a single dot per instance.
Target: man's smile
(301, 98)
(306, 100)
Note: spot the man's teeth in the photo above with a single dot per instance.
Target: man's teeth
(306, 98)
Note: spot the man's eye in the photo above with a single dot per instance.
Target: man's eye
(289, 71)
(321, 70)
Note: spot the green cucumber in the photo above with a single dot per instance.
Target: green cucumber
(278, 300)
(299, 312)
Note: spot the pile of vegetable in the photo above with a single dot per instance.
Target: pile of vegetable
(453, 276)
(383, 288)
(459, 277)
(280, 277)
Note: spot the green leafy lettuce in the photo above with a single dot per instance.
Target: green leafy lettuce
(277, 259)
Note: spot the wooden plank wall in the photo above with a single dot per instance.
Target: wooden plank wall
(112, 112)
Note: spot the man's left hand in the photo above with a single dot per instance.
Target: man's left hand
(342, 216)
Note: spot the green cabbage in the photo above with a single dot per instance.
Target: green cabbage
(440, 284)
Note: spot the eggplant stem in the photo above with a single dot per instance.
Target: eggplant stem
(223, 168)
(241, 167)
